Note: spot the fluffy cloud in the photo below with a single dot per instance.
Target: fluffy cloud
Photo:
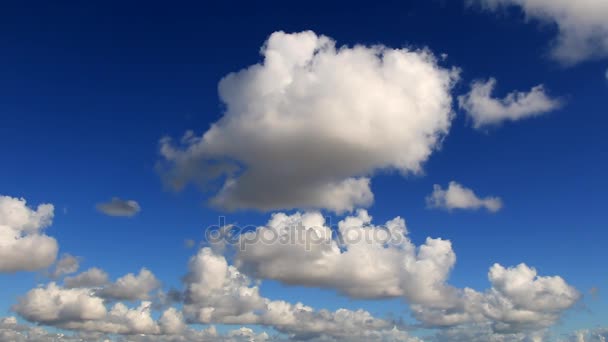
(131, 287)
(457, 196)
(519, 301)
(582, 25)
(309, 125)
(487, 111)
(119, 207)
(84, 309)
(368, 261)
(23, 245)
(66, 265)
(218, 292)
(364, 264)
(54, 305)
(93, 277)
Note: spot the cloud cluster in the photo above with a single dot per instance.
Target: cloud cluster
(309, 125)
(486, 110)
(23, 245)
(219, 292)
(84, 309)
(582, 25)
(457, 196)
(119, 207)
(215, 292)
(518, 299)
(12, 331)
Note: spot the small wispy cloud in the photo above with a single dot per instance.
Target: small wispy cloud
(119, 207)
(457, 196)
(486, 110)
(66, 265)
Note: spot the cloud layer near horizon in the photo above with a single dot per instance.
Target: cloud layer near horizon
(518, 303)
(310, 125)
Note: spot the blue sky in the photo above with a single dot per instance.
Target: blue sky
(88, 90)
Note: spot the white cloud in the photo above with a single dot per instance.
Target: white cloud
(66, 265)
(55, 305)
(311, 124)
(519, 301)
(131, 287)
(93, 277)
(486, 110)
(353, 266)
(23, 245)
(457, 196)
(119, 207)
(217, 292)
(84, 309)
(12, 331)
(582, 25)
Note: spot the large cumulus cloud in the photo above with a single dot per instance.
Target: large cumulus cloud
(309, 125)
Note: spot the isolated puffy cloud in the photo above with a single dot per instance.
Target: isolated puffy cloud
(93, 277)
(309, 125)
(119, 207)
(131, 286)
(457, 196)
(582, 25)
(486, 110)
(368, 261)
(66, 265)
(23, 245)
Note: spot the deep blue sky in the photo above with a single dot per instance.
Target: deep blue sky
(88, 89)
